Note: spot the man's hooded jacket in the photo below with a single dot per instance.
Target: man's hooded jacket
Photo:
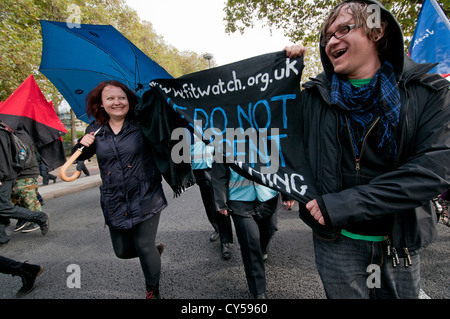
(393, 195)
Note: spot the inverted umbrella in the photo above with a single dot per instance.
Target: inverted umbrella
(76, 59)
(27, 109)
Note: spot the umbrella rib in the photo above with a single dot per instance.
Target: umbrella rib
(83, 70)
(136, 63)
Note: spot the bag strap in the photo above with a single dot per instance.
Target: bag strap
(6, 127)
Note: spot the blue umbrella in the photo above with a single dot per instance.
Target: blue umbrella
(76, 59)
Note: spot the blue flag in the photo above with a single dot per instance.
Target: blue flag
(431, 39)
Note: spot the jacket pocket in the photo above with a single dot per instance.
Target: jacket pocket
(105, 203)
(150, 196)
(109, 200)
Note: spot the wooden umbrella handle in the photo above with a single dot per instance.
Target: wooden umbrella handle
(62, 171)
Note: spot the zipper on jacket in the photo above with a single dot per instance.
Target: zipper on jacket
(402, 142)
(114, 148)
(358, 159)
(404, 124)
(339, 172)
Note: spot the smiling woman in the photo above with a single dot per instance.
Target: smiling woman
(115, 103)
(131, 194)
(98, 98)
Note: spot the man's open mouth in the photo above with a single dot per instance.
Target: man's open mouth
(339, 53)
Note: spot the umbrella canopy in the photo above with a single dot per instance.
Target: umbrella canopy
(27, 109)
(75, 60)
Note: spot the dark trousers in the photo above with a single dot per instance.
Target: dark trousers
(81, 167)
(139, 241)
(8, 210)
(46, 176)
(254, 235)
(220, 223)
(9, 266)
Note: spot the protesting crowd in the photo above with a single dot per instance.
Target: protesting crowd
(374, 134)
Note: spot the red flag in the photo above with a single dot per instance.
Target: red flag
(28, 109)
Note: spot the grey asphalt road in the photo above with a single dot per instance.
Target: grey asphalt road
(79, 244)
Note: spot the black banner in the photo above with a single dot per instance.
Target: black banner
(249, 112)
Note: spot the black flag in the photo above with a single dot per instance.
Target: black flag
(248, 110)
(27, 109)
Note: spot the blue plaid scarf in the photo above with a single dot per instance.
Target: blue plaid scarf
(362, 105)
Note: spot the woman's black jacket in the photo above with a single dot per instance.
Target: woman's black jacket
(131, 191)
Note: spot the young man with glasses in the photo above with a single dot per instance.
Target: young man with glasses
(376, 129)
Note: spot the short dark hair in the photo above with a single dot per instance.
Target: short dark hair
(94, 100)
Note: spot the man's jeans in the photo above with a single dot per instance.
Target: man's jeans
(342, 266)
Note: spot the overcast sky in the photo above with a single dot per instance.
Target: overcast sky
(197, 25)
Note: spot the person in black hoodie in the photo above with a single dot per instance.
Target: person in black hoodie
(131, 194)
(376, 129)
(25, 190)
(9, 169)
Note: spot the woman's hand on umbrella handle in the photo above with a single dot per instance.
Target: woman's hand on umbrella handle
(88, 139)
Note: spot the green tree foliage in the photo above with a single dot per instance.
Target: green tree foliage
(21, 38)
(301, 20)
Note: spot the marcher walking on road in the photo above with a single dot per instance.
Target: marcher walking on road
(9, 169)
(27, 272)
(201, 166)
(43, 171)
(25, 190)
(253, 208)
(376, 129)
(131, 195)
(80, 165)
(441, 204)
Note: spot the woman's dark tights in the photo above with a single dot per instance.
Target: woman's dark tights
(139, 241)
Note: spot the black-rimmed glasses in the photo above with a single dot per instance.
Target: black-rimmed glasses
(338, 34)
